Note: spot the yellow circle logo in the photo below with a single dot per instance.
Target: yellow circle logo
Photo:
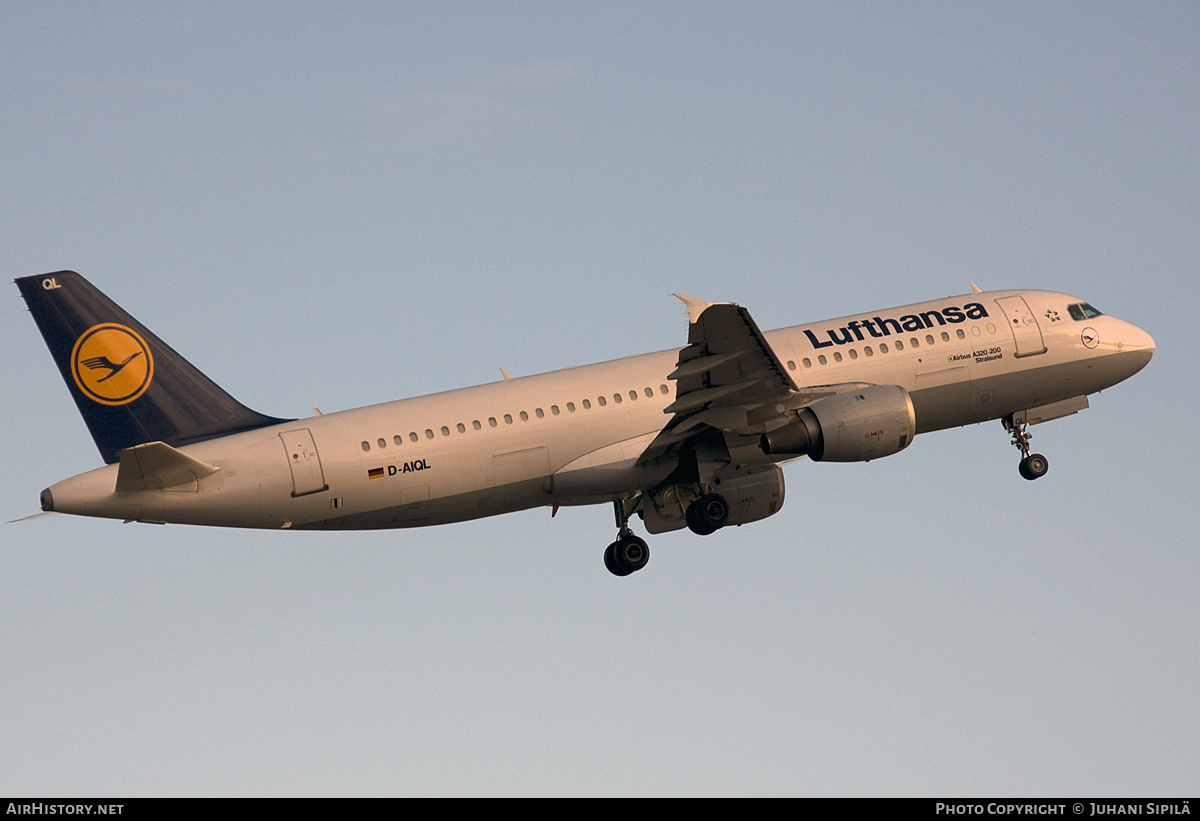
(111, 364)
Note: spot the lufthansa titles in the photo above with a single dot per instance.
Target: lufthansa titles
(879, 327)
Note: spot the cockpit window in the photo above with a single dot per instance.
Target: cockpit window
(1081, 311)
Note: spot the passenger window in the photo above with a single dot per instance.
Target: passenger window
(366, 446)
(807, 362)
(617, 398)
(412, 436)
(381, 442)
(445, 431)
(476, 425)
(792, 365)
(554, 410)
(853, 353)
(821, 358)
(633, 395)
(868, 351)
(570, 407)
(491, 421)
(663, 389)
(945, 336)
(461, 428)
(524, 416)
(928, 339)
(587, 405)
(649, 393)
(883, 347)
(837, 356)
(600, 400)
(899, 345)
(428, 433)
(508, 418)
(960, 334)
(397, 439)
(538, 413)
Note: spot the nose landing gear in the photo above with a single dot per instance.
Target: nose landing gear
(1032, 465)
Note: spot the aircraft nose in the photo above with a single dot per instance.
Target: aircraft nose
(1140, 344)
(1139, 340)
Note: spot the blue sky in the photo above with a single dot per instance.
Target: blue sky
(332, 206)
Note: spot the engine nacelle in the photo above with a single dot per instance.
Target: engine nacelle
(866, 423)
(753, 497)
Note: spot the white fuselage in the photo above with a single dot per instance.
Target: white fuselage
(571, 436)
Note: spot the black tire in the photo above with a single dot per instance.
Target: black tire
(610, 561)
(626, 555)
(694, 523)
(707, 514)
(632, 553)
(1034, 466)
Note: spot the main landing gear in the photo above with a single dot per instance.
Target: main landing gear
(628, 553)
(1032, 465)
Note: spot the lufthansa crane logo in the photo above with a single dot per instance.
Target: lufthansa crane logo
(111, 364)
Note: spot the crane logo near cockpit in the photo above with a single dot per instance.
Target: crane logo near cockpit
(111, 364)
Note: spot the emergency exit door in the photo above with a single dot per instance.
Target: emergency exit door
(304, 461)
(1024, 326)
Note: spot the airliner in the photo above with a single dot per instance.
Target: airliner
(692, 437)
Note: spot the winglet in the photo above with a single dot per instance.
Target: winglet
(695, 307)
(975, 289)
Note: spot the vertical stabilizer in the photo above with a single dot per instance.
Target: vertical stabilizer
(130, 387)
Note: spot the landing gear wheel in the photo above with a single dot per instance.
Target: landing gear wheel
(610, 561)
(1033, 466)
(707, 514)
(626, 555)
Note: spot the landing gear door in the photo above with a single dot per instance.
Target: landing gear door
(305, 462)
(1026, 333)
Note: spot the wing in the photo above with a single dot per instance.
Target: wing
(730, 387)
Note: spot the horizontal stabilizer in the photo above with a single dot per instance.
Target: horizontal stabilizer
(155, 465)
(41, 515)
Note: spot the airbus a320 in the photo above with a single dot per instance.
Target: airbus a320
(692, 437)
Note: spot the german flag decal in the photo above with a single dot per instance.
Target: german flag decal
(375, 473)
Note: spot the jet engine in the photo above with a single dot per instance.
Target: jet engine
(855, 426)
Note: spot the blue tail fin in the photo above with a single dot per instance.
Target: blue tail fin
(130, 387)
